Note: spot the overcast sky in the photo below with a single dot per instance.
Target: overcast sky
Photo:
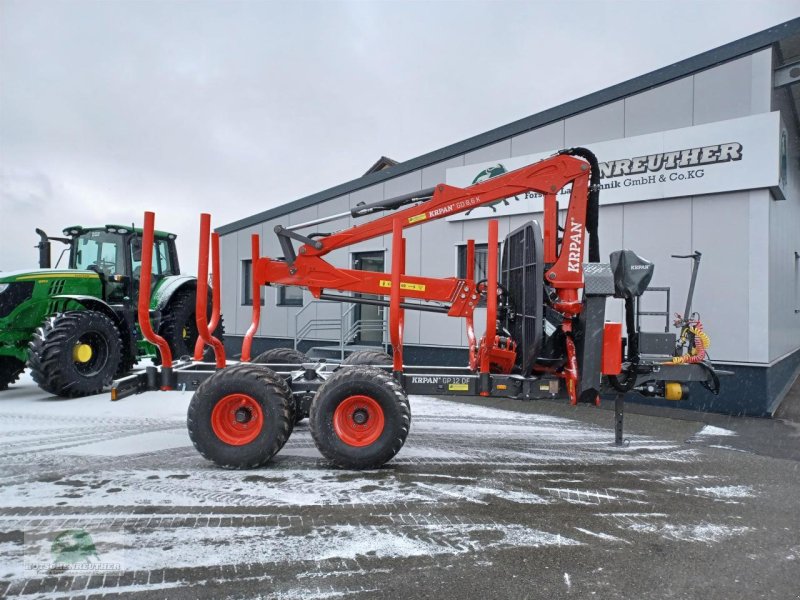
(111, 108)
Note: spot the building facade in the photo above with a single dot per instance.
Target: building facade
(703, 155)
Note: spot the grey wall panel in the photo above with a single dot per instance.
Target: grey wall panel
(544, 139)
(654, 230)
(611, 226)
(758, 276)
(761, 81)
(273, 317)
(404, 184)
(338, 258)
(436, 174)
(597, 125)
(499, 150)
(666, 107)
(244, 314)
(722, 294)
(438, 256)
(723, 92)
(367, 195)
(229, 259)
(784, 246)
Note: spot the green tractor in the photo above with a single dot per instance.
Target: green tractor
(76, 328)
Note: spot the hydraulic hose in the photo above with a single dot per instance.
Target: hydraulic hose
(593, 205)
(697, 352)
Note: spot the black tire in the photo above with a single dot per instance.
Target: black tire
(284, 356)
(128, 358)
(53, 362)
(179, 326)
(368, 357)
(382, 391)
(281, 356)
(10, 370)
(262, 386)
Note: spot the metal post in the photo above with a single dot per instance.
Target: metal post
(144, 292)
(201, 307)
(618, 418)
(396, 313)
(695, 266)
(247, 343)
(341, 330)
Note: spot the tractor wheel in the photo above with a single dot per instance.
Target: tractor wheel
(179, 326)
(127, 359)
(281, 356)
(75, 353)
(368, 357)
(360, 418)
(241, 416)
(10, 370)
(284, 356)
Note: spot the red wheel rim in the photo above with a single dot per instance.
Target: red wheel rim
(237, 419)
(358, 421)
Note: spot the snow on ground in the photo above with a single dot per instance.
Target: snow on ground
(471, 481)
(712, 430)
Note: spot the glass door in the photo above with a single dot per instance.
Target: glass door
(370, 318)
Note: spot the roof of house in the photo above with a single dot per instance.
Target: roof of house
(384, 162)
(636, 85)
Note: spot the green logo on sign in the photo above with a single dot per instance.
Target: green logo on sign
(489, 172)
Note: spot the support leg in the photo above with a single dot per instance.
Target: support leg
(619, 415)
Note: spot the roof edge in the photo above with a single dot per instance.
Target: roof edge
(641, 83)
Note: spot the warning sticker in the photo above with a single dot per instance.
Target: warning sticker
(404, 285)
(458, 387)
(417, 218)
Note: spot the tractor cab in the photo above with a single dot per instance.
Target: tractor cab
(115, 253)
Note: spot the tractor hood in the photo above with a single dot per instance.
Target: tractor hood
(43, 274)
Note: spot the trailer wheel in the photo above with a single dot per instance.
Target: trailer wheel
(368, 357)
(284, 356)
(241, 416)
(10, 370)
(360, 418)
(281, 356)
(75, 353)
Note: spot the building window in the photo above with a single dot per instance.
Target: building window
(247, 284)
(289, 295)
(481, 263)
(481, 256)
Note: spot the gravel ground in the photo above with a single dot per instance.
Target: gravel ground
(512, 500)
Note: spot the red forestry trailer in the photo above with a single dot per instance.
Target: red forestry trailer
(546, 334)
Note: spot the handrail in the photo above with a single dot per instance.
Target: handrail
(347, 331)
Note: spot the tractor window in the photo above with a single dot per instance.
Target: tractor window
(162, 260)
(98, 251)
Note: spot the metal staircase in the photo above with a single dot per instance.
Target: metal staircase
(344, 329)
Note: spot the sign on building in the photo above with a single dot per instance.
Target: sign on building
(738, 154)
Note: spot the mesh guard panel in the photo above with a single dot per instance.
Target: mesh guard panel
(522, 271)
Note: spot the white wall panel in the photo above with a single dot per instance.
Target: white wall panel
(596, 125)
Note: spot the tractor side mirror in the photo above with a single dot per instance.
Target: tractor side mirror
(136, 249)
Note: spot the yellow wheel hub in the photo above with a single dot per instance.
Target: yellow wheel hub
(82, 353)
